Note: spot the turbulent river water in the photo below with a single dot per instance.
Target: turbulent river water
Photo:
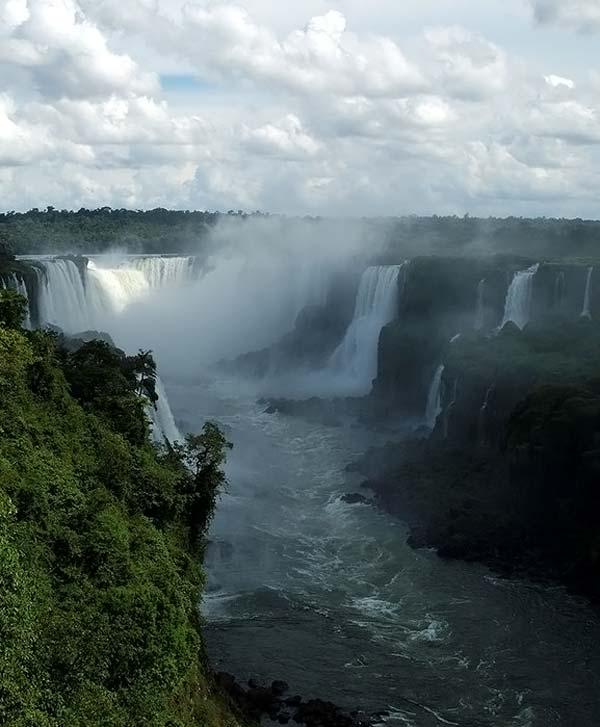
(329, 597)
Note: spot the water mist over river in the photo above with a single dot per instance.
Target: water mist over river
(326, 595)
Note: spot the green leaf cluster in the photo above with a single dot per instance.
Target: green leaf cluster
(100, 544)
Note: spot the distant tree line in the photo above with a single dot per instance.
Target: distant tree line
(181, 231)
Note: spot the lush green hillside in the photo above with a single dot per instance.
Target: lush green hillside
(100, 540)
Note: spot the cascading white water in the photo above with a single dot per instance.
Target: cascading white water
(63, 299)
(161, 272)
(376, 304)
(480, 308)
(111, 290)
(77, 299)
(518, 298)
(163, 422)
(586, 311)
(434, 398)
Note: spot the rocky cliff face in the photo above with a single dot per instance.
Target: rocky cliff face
(316, 333)
(446, 297)
(509, 473)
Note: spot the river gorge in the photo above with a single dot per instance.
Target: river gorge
(303, 585)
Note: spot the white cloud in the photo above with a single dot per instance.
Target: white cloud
(65, 53)
(287, 140)
(323, 57)
(469, 66)
(557, 81)
(570, 121)
(134, 120)
(301, 111)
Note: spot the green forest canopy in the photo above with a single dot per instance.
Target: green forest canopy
(101, 535)
(175, 231)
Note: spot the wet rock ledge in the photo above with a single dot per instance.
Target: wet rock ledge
(256, 702)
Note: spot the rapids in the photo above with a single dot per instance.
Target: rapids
(329, 596)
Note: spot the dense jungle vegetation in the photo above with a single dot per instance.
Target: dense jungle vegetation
(101, 535)
(176, 231)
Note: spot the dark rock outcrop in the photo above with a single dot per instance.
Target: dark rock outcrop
(355, 498)
(510, 475)
(257, 701)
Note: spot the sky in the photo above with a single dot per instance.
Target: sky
(341, 108)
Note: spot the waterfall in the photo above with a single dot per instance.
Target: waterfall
(161, 416)
(586, 311)
(434, 398)
(518, 298)
(111, 290)
(160, 272)
(559, 289)
(79, 299)
(376, 305)
(62, 296)
(480, 309)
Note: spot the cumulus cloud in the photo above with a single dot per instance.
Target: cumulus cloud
(19, 143)
(322, 57)
(286, 139)
(133, 120)
(303, 116)
(65, 53)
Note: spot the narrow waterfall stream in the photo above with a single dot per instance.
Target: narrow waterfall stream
(434, 398)
(376, 303)
(586, 311)
(518, 298)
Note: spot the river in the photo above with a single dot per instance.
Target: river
(329, 597)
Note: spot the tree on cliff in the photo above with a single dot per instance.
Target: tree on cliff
(205, 455)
